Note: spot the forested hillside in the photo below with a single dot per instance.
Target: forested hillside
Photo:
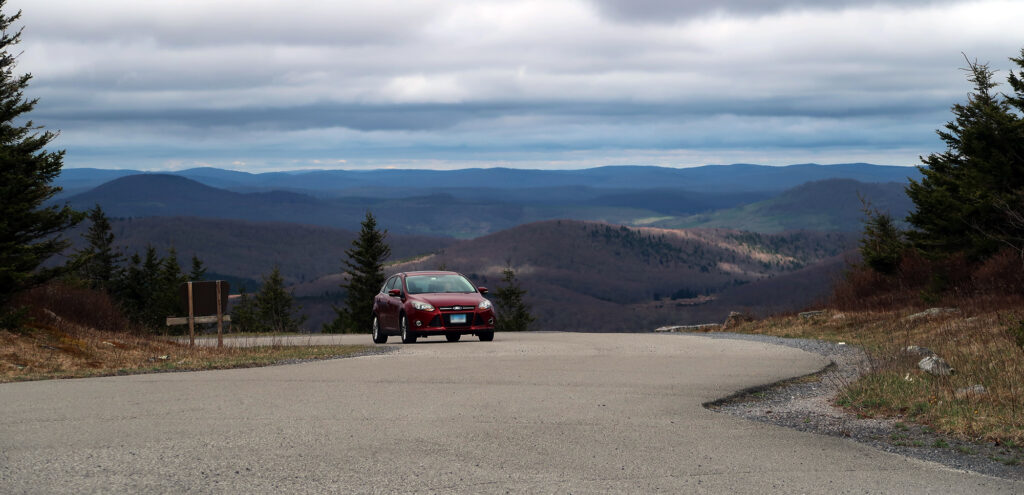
(600, 277)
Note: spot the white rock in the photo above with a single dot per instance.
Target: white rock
(972, 391)
(931, 312)
(936, 366)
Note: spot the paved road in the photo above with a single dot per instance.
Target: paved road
(537, 412)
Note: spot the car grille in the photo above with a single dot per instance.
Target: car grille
(456, 308)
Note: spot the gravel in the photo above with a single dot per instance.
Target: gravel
(805, 404)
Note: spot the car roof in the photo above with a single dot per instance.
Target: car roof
(430, 272)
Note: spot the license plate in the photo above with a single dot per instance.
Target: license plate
(458, 318)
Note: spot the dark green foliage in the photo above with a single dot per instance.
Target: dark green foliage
(198, 270)
(98, 262)
(244, 314)
(29, 231)
(881, 246)
(365, 266)
(967, 192)
(275, 307)
(513, 314)
(148, 289)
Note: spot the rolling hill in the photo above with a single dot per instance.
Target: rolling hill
(440, 214)
(599, 277)
(242, 250)
(829, 205)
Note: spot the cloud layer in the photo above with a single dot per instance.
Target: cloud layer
(273, 84)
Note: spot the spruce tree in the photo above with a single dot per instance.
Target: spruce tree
(245, 314)
(98, 261)
(512, 312)
(274, 305)
(198, 272)
(958, 200)
(29, 230)
(881, 245)
(365, 266)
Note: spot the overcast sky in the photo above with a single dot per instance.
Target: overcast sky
(271, 85)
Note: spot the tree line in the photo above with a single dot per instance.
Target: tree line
(968, 204)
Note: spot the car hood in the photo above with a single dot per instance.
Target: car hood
(438, 300)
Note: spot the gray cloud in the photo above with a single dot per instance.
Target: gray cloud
(554, 83)
(669, 11)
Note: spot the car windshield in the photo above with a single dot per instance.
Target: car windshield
(424, 284)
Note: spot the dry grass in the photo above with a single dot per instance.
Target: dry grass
(983, 345)
(79, 333)
(48, 352)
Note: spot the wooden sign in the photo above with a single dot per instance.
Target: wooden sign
(203, 302)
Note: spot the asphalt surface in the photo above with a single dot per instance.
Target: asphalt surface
(534, 412)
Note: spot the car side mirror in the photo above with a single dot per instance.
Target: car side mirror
(483, 290)
(395, 292)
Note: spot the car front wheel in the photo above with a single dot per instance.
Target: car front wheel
(486, 336)
(379, 337)
(407, 336)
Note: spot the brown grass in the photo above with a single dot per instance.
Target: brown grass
(981, 344)
(74, 332)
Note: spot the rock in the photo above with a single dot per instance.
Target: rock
(936, 366)
(839, 316)
(688, 328)
(972, 391)
(811, 314)
(918, 351)
(736, 318)
(931, 313)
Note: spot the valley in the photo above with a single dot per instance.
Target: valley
(605, 249)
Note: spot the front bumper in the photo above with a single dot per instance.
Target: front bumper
(441, 322)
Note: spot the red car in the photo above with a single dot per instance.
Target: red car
(421, 304)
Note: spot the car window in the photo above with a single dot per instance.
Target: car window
(392, 284)
(423, 284)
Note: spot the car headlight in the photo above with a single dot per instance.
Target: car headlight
(422, 306)
(485, 304)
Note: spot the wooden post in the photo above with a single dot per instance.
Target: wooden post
(191, 319)
(220, 319)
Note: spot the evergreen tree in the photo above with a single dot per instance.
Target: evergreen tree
(245, 314)
(274, 305)
(365, 266)
(198, 272)
(149, 288)
(957, 201)
(881, 245)
(166, 298)
(98, 261)
(512, 312)
(29, 231)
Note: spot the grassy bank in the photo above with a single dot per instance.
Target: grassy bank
(984, 347)
(44, 351)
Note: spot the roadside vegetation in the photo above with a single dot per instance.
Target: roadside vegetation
(73, 332)
(952, 283)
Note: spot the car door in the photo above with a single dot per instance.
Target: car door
(391, 305)
(380, 304)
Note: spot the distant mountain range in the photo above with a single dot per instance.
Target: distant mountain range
(479, 183)
(752, 204)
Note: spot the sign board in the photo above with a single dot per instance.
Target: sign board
(203, 302)
(204, 297)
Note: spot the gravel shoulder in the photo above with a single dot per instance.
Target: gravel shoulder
(805, 404)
